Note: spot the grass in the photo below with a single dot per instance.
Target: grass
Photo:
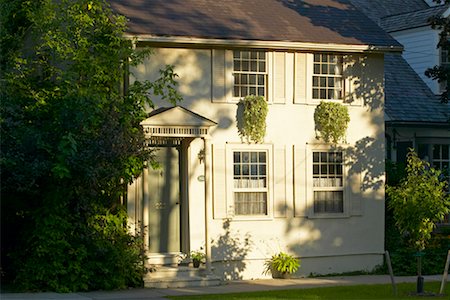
(357, 292)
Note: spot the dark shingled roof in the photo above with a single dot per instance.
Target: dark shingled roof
(412, 19)
(377, 9)
(315, 21)
(408, 98)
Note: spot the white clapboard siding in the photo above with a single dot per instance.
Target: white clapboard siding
(420, 51)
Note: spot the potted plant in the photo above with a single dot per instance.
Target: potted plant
(251, 118)
(282, 265)
(331, 121)
(197, 256)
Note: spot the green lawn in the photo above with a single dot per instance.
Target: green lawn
(358, 292)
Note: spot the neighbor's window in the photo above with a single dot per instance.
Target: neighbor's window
(250, 188)
(327, 76)
(438, 155)
(328, 182)
(250, 73)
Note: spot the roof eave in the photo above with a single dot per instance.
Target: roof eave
(276, 45)
(427, 124)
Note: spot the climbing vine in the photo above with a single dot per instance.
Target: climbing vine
(252, 113)
(331, 121)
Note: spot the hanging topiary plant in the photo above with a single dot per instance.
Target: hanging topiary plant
(251, 118)
(331, 120)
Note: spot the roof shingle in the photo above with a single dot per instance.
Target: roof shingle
(412, 19)
(315, 21)
(408, 98)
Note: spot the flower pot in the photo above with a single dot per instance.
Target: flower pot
(196, 263)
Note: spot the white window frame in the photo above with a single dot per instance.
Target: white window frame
(311, 148)
(230, 149)
(326, 76)
(348, 82)
(251, 62)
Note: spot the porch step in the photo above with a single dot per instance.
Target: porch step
(178, 277)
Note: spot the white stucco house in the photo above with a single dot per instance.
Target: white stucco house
(243, 202)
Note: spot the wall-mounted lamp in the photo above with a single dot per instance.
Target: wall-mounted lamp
(201, 155)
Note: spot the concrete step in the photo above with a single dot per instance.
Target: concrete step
(177, 277)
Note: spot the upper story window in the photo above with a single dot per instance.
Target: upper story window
(250, 73)
(328, 184)
(250, 182)
(327, 77)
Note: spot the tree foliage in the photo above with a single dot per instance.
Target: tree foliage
(71, 142)
(419, 201)
(441, 73)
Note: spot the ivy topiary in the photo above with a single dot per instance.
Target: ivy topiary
(252, 113)
(331, 121)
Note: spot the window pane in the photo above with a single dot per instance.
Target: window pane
(250, 203)
(237, 170)
(262, 66)
(436, 151)
(328, 202)
(445, 152)
(262, 157)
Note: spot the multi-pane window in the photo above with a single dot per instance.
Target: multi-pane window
(328, 182)
(250, 73)
(327, 76)
(250, 188)
(438, 155)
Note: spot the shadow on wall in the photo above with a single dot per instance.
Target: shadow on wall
(232, 248)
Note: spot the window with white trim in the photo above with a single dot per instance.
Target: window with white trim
(250, 182)
(328, 177)
(438, 155)
(328, 81)
(249, 73)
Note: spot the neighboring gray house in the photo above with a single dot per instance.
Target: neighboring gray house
(414, 115)
(243, 202)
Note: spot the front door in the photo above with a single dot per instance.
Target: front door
(164, 200)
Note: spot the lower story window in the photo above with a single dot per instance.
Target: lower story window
(328, 182)
(250, 189)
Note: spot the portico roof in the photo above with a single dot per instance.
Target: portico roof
(176, 122)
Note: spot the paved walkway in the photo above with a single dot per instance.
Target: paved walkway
(228, 287)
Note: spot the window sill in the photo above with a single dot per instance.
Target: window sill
(251, 218)
(329, 216)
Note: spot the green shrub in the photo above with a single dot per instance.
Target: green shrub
(66, 254)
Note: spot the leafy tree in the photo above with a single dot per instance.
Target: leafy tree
(441, 73)
(70, 143)
(419, 201)
(417, 204)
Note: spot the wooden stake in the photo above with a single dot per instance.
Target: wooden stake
(391, 273)
(445, 275)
